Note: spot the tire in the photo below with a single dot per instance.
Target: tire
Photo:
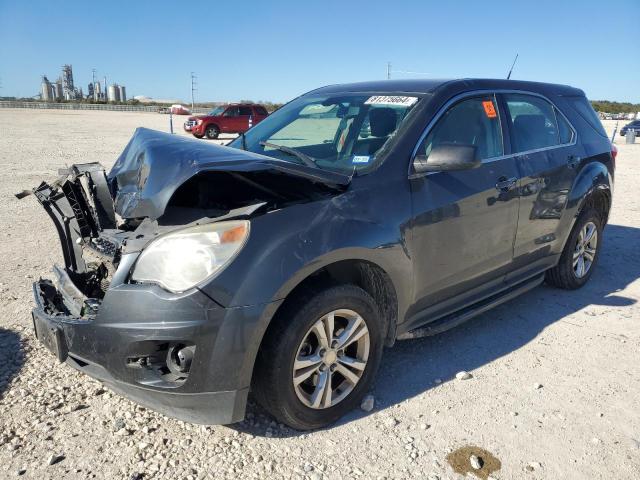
(286, 342)
(567, 275)
(212, 132)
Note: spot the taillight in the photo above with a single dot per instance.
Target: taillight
(614, 154)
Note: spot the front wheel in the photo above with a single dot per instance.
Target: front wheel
(580, 253)
(320, 358)
(212, 132)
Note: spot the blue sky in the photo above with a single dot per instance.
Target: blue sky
(278, 49)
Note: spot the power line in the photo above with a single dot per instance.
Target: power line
(412, 73)
(407, 72)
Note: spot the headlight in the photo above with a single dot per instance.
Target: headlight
(199, 122)
(180, 260)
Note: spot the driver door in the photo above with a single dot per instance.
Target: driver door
(464, 222)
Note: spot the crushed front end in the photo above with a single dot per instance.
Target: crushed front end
(164, 350)
(134, 304)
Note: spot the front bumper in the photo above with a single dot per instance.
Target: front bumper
(139, 321)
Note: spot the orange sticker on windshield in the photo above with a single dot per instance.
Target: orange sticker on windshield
(489, 109)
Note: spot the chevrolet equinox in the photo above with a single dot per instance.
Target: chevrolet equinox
(354, 216)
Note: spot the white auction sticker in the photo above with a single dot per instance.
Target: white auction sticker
(391, 100)
(360, 159)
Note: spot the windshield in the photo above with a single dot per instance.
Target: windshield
(340, 132)
(216, 111)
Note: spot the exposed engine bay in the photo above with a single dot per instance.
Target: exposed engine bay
(160, 183)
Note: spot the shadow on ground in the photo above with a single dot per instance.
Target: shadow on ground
(11, 358)
(411, 367)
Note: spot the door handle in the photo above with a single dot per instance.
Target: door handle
(505, 184)
(573, 161)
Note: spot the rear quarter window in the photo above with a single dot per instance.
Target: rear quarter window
(261, 111)
(586, 111)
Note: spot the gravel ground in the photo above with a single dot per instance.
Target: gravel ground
(554, 390)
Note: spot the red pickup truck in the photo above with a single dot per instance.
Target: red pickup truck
(233, 118)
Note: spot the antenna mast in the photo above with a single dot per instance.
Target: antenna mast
(512, 65)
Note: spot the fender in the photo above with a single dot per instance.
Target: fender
(595, 176)
(211, 122)
(311, 236)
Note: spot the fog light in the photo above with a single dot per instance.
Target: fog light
(179, 358)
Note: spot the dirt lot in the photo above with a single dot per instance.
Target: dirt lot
(555, 391)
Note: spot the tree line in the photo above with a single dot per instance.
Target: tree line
(615, 107)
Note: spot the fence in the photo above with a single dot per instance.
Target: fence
(91, 106)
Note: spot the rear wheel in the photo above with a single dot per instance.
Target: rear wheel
(580, 254)
(212, 132)
(320, 358)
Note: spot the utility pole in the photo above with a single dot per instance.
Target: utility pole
(388, 70)
(193, 88)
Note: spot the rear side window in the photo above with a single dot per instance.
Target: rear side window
(246, 111)
(261, 111)
(586, 111)
(474, 122)
(533, 122)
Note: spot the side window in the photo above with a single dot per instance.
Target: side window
(474, 122)
(246, 111)
(533, 122)
(566, 134)
(261, 111)
(231, 112)
(586, 111)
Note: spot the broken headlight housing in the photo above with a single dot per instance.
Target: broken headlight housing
(182, 259)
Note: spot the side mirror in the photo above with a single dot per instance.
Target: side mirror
(447, 157)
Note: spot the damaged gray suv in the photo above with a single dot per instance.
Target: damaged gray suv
(353, 216)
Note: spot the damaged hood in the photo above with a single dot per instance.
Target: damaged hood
(154, 164)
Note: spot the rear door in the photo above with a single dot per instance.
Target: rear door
(259, 113)
(464, 222)
(544, 145)
(244, 117)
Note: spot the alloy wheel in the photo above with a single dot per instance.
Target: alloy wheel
(331, 359)
(585, 251)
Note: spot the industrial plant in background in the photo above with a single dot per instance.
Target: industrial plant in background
(64, 89)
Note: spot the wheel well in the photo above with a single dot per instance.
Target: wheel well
(368, 276)
(600, 200)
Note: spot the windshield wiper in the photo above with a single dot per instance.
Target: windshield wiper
(306, 159)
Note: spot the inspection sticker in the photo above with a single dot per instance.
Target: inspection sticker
(489, 109)
(360, 159)
(391, 100)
